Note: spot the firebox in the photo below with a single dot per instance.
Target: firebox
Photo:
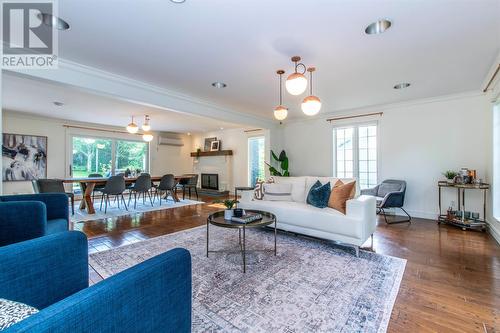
(210, 181)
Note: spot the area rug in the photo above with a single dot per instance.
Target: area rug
(310, 286)
(114, 210)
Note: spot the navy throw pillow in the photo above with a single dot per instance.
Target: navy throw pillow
(319, 195)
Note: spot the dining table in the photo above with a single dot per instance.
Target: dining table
(88, 184)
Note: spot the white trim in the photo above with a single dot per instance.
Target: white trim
(494, 232)
(113, 85)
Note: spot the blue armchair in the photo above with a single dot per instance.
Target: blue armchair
(389, 194)
(51, 274)
(28, 216)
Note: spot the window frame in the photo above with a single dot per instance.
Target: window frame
(114, 141)
(355, 146)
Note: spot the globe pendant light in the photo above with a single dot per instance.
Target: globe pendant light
(280, 112)
(311, 104)
(296, 83)
(146, 126)
(147, 136)
(132, 128)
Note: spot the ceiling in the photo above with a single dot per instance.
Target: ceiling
(440, 47)
(38, 97)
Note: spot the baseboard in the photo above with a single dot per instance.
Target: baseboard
(494, 232)
(419, 214)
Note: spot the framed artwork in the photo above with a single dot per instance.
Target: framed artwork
(215, 146)
(208, 143)
(24, 157)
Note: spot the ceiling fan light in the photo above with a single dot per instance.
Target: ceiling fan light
(280, 112)
(147, 136)
(311, 105)
(296, 84)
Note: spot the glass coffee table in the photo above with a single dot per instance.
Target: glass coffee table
(217, 219)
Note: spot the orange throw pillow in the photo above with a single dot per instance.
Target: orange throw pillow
(340, 194)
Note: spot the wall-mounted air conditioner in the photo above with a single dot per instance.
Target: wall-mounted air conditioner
(163, 140)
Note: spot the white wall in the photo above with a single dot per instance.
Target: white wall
(237, 141)
(417, 142)
(163, 159)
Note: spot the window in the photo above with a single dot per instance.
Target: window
(356, 153)
(496, 162)
(107, 156)
(256, 153)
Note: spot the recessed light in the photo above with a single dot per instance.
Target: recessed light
(53, 21)
(402, 85)
(188, 133)
(378, 27)
(178, 1)
(219, 85)
(56, 103)
(222, 128)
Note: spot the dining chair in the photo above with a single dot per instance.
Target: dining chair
(189, 183)
(54, 186)
(167, 185)
(142, 186)
(96, 187)
(115, 185)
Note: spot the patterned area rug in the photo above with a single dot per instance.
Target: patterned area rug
(114, 210)
(310, 286)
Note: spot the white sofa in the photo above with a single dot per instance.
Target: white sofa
(353, 228)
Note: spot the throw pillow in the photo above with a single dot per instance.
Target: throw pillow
(258, 192)
(319, 195)
(12, 312)
(277, 192)
(340, 194)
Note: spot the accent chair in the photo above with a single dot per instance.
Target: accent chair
(389, 194)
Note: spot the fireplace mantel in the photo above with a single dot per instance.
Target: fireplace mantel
(212, 153)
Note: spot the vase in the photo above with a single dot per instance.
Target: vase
(228, 214)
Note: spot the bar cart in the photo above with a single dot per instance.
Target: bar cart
(459, 219)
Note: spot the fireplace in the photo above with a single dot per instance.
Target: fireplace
(210, 181)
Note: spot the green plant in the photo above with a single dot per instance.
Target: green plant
(450, 174)
(282, 161)
(198, 152)
(228, 203)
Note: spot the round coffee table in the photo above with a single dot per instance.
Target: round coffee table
(217, 219)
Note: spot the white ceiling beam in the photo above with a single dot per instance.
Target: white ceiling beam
(112, 85)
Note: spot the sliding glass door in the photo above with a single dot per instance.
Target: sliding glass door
(107, 156)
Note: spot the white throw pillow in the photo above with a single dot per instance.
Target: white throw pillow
(298, 187)
(277, 192)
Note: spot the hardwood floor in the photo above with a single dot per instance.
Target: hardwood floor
(451, 282)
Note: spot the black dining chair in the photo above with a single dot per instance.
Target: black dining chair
(115, 185)
(167, 185)
(142, 186)
(53, 186)
(97, 188)
(189, 183)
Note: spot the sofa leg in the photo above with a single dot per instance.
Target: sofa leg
(356, 248)
(371, 237)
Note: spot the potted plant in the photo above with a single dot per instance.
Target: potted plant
(228, 213)
(282, 162)
(450, 175)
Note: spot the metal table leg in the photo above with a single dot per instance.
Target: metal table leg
(244, 255)
(207, 237)
(275, 232)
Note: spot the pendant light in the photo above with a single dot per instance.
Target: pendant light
(296, 83)
(146, 126)
(132, 128)
(311, 104)
(280, 112)
(147, 136)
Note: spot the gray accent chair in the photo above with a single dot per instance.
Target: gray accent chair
(190, 183)
(167, 185)
(389, 194)
(142, 186)
(115, 185)
(53, 186)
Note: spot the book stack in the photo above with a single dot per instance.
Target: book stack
(247, 218)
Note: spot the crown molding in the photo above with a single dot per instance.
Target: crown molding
(113, 85)
(386, 107)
